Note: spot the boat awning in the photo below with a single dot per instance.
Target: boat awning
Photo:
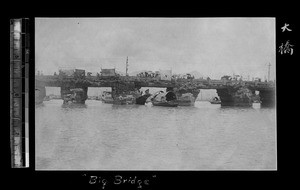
(166, 96)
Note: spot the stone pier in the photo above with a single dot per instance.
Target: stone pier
(241, 96)
(179, 91)
(267, 98)
(121, 88)
(40, 94)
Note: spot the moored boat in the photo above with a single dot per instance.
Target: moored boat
(167, 99)
(142, 99)
(215, 100)
(75, 96)
(125, 99)
(151, 98)
(107, 98)
(120, 100)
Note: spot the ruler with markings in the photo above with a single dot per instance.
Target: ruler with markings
(19, 88)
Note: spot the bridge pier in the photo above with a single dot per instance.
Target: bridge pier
(235, 96)
(121, 88)
(267, 98)
(40, 94)
(180, 92)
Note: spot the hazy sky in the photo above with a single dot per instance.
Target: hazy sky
(212, 46)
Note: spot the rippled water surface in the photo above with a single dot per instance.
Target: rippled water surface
(98, 136)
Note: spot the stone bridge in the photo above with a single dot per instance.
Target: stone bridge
(231, 92)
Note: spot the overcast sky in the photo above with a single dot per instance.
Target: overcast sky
(212, 46)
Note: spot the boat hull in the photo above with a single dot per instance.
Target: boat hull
(215, 102)
(142, 99)
(165, 104)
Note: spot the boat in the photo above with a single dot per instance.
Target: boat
(125, 99)
(76, 96)
(120, 100)
(151, 98)
(167, 99)
(215, 100)
(186, 99)
(142, 99)
(107, 97)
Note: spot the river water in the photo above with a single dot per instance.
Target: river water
(98, 136)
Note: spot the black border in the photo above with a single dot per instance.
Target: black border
(286, 159)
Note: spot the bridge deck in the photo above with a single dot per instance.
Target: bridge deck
(92, 81)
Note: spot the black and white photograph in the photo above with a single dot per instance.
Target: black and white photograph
(155, 93)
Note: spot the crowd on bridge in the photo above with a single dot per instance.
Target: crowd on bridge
(150, 74)
(185, 76)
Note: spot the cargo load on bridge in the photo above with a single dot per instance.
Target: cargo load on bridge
(108, 72)
(66, 72)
